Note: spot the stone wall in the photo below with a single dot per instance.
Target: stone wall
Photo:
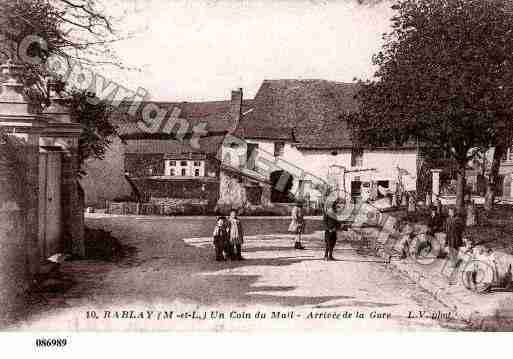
(72, 203)
(162, 206)
(232, 191)
(16, 226)
(202, 188)
(236, 191)
(177, 201)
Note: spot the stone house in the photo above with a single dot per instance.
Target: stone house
(40, 208)
(298, 127)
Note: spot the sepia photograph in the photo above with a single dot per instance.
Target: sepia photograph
(255, 166)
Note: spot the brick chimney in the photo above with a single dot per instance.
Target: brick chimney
(235, 109)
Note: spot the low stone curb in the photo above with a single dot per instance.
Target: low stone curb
(440, 288)
(476, 317)
(427, 284)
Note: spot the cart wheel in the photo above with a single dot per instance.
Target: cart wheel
(477, 276)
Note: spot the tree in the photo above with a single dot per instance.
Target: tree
(444, 79)
(76, 30)
(97, 129)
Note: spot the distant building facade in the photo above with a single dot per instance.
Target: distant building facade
(180, 167)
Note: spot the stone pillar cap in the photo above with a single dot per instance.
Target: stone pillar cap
(15, 109)
(58, 110)
(12, 99)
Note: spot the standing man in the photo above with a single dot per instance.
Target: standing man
(331, 225)
(435, 223)
(454, 229)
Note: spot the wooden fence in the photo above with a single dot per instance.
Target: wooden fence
(138, 208)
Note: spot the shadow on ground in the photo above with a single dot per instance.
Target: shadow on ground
(151, 269)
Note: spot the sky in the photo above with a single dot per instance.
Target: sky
(199, 50)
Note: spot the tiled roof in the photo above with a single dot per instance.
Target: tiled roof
(209, 145)
(332, 136)
(215, 114)
(262, 133)
(315, 109)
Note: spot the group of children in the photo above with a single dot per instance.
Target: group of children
(451, 224)
(228, 238)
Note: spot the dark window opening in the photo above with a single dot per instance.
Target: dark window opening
(279, 148)
(254, 194)
(251, 155)
(281, 182)
(384, 184)
(357, 157)
(356, 190)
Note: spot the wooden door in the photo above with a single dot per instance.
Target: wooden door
(50, 211)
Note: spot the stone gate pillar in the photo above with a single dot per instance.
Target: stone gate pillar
(62, 132)
(19, 192)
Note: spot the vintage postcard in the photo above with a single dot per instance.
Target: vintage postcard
(255, 166)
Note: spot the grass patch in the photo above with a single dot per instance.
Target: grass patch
(101, 245)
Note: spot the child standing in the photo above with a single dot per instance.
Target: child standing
(297, 225)
(236, 235)
(220, 238)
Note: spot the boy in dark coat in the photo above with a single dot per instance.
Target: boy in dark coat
(454, 229)
(220, 238)
(330, 233)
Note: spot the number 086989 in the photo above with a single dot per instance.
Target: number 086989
(51, 342)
